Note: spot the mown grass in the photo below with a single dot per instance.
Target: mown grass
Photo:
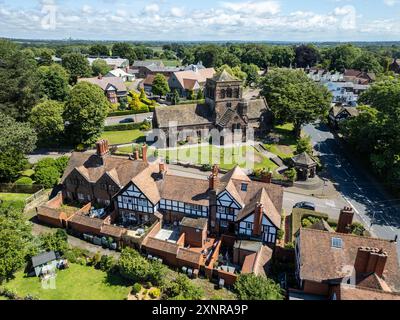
(122, 137)
(75, 283)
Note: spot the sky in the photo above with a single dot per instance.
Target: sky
(202, 20)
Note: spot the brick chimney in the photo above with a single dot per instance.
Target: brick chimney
(162, 169)
(258, 216)
(144, 152)
(102, 148)
(345, 220)
(100, 76)
(213, 181)
(266, 177)
(136, 155)
(370, 260)
(215, 169)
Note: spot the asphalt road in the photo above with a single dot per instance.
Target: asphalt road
(136, 117)
(378, 211)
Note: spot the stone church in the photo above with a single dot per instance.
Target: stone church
(227, 107)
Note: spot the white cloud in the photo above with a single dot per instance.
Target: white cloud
(152, 8)
(177, 12)
(253, 7)
(391, 3)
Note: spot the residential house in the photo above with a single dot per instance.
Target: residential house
(226, 107)
(395, 66)
(339, 265)
(113, 62)
(146, 68)
(114, 87)
(191, 80)
(121, 73)
(359, 77)
(338, 114)
(147, 83)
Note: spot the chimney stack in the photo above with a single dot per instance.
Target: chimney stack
(213, 180)
(136, 155)
(345, 220)
(258, 216)
(215, 169)
(162, 169)
(102, 148)
(144, 153)
(100, 76)
(370, 260)
(266, 177)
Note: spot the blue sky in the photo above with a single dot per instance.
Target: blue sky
(277, 20)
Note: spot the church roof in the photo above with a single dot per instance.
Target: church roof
(224, 76)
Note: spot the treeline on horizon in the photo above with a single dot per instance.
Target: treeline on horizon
(370, 57)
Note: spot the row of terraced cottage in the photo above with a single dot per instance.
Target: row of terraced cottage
(220, 227)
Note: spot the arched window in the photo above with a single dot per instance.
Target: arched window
(223, 94)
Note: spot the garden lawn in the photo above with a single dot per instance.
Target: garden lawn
(76, 283)
(122, 137)
(14, 197)
(227, 157)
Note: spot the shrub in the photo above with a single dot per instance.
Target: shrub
(106, 263)
(94, 261)
(47, 177)
(123, 127)
(57, 241)
(156, 273)
(252, 287)
(25, 181)
(137, 287)
(181, 288)
(132, 265)
(289, 245)
(280, 234)
(61, 163)
(154, 293)
(206, 167)
(357, 229)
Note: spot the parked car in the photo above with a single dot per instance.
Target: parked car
(127, 120)
(305, 205)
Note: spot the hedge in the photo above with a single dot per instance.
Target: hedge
(123, 127)
(202, 101)
(121, 113)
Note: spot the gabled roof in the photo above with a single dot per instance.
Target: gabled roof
(320, 262)
(92, 167)
(105, 82)
(236, 173)
(147, 184)
(224, 76)
(188, 78)
(43, 258)
(270, 210)
(349, 292)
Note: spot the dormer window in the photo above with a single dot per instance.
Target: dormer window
(244, 187)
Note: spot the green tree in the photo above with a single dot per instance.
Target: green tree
(342, 57)
(210, 55)
(20, 89)
(282, 56)
(125, 50)
(16, 241)
(48, 177)
(99, 50)
(200, 95)
(142, 94)
(133, 266)
(57, 241)
(367, 62)
(175, 97)
(252, 287)
(235, 72)
(16, 140)
(306, 56)
(61, 164)
(304, 145)
(99, 66)
(85, 113)
(291, 174)
(160, 85)
(77, 66)
(46, 57)
(251, 71)
(54, 82)
(181, 288)
(47, 120)
(294, 98)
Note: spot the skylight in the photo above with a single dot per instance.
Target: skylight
(337, 243)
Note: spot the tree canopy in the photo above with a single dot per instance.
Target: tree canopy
(54, 82)
(294, 98)
(99, 66)
(47, 120)
(85, 113)
(77, 66)
(160, 85)
(252, 287)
